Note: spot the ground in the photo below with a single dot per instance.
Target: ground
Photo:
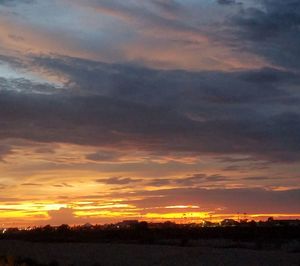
(84, 254)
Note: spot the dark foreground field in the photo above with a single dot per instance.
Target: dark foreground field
(203, 252)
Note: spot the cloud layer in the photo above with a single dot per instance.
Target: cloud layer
(195, 103)
(250, 112)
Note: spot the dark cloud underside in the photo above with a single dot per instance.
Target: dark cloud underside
(248, 112)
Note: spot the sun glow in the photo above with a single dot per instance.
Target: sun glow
(179, 215)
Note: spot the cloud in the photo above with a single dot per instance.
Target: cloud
(14, 2)
(125, 106)
(4, 151)
(63, 185)
(62, 216)
(103, 156)
(31, 184)
(25, 86)
(198, 179)
(270, 29)
(160, 34)
(226, 2)
(254, 178)
(160, 182)
(139, 84)
(117, 180)
(168, 4)
(141, 13)
(230, 200)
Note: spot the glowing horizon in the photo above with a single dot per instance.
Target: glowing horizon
(32, 214)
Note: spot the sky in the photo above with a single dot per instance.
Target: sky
(156, 110)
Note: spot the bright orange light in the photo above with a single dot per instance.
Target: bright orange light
(180, 215)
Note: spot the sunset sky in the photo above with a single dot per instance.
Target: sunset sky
(182, 110)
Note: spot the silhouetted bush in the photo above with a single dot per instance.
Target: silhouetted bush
(146, 233)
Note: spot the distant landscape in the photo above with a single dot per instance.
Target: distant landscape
(141, 243)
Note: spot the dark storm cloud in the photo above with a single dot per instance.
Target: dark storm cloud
(272, 30)
(139, 84)
(269, 76)
(243, 112)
